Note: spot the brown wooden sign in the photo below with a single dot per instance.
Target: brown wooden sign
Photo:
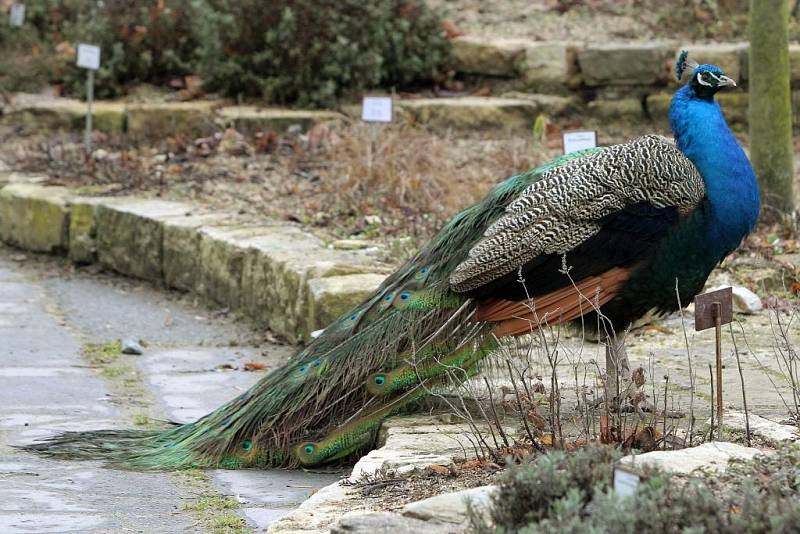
(708, 305)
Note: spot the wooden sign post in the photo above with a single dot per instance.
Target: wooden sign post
(715, 309)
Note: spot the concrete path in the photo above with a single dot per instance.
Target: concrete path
(50, 316)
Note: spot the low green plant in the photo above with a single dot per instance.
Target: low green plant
(572, 492)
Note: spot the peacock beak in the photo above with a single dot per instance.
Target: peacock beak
(724, 81)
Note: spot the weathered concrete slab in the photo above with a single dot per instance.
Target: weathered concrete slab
(627, 63)
(35, 217)
(251, 119)
(172, 118)
(130, 235)
(712, 457)
(472, 113)
(330, 297)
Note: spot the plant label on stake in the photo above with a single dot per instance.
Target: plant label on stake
(574, 141)
(17, 15)
(626, 481)
(376, 109)
(89, 59)
(712, 310)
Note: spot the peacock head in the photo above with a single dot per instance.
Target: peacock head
(705, 79)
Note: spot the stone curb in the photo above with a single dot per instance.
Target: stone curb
(278, 275)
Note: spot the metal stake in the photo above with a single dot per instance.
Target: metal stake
(716, 310)
(87, 135)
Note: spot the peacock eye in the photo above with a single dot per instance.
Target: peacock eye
(247, 445)
(405, 295)
(380, 379)
(308, 449)
(706, 75)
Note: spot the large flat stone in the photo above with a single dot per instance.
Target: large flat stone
(222, 258)
(83, 229)
(627, 63)
(330, 297)
(172, 118)
(182, 239)
(452, 508)
(387, 523)
(549, 66)
(491, 57)
(277, 269)
(761, 427)
(471, 113)
(35, 217)
(712, 457)
(35, 112)
(251, 119)
(130, 235)
(730, 57)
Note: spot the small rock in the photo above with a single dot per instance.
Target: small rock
(131, 346)
(373, 220)
(316, 333)
(160, 158)
(712, 456)
(100, 154)
(385, 523)
(761, 427)
(744, 300)
(452, 507)
(350, 244)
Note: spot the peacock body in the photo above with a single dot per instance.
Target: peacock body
(607, 230)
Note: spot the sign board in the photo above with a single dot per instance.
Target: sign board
(376, 109)
(88, 56)
(574, 141)
(626, 482)
(17, 15)
(705, 312)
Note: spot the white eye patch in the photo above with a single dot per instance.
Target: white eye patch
(701, 81)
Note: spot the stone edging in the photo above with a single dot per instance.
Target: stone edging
(278, 275)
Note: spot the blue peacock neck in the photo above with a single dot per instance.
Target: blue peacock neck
(731, 189)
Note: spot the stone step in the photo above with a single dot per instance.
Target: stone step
(276, 274)
(553, 66)
(155, 119)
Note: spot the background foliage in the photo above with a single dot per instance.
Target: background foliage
(304, 52)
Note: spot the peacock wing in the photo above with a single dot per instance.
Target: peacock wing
(575, 202)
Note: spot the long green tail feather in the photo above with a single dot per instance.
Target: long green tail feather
(413, 329)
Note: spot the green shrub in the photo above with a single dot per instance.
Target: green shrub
(571, 492)
(141, 41)
(309, 52)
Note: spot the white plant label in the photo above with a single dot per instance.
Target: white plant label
(88, 56)
(574, 141)
(376, 109)
(625, 482)
(17, 15)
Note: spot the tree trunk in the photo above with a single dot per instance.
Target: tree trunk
(771, 147)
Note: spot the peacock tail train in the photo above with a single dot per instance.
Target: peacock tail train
(328, 401)
(609, 230)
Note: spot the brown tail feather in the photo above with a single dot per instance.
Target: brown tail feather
(515, 318)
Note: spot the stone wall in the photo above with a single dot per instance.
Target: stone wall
(278, 275)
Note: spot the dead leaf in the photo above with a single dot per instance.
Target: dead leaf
(439, 469)
(254, 366)
(451, 29)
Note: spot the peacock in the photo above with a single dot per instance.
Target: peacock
(598, 237)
